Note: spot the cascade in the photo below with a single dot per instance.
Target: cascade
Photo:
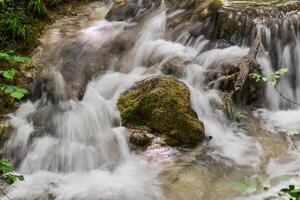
(69, 141)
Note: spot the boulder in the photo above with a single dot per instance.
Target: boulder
(163, 105)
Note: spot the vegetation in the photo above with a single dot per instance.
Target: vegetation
(291, 192)
(22, 20)
(6, 169)
(7, 173)
(9, 74)
(261, 182)
(38, 8)
(271, 77)
(18, 19)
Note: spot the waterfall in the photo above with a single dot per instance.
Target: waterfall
(76, 148)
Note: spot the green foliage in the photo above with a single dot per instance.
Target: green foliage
(38, 8)
(261, 182)
(11, 90)
(292, 191)
(271, 77)
(9, 74)
(11, 57)
(17, 28)
(7, 173)
(18, 18)
(14, 24)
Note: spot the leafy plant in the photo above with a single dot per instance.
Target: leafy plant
(271, 77)
(261, 182)
(11, 57)
(11, 90)
(292, 191)
(7, 173)
(17, 28)
(38, 7)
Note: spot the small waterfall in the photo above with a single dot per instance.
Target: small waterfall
(76, 149)
(281, 41)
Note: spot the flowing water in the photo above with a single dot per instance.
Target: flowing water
(77, 149)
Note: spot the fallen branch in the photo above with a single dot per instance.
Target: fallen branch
(223, 78)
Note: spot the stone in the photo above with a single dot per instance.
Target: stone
(163, 105)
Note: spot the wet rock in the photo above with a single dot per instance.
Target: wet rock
(122, 11)
(163, 105)
(175, 66)
(139, 137)
(219, 44)
(4, 125)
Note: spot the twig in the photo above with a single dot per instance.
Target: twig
(285, 98)
(222, 78)
(5, 194)
(294, 143)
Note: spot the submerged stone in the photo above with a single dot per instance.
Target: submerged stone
(163, 105)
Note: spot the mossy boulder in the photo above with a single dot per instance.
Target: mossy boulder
(163, 105)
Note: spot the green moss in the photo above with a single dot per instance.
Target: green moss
(163, 105)
(128, 115)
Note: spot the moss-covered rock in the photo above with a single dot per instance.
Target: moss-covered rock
(162, 104)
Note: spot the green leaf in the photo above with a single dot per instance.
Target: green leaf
(21, 178)
(10, 55)
(9, 89)
(4, 56)
(4, 161)
(17, 95)
(6, 168)
(2, 87)
(10, 179)
(9, 74)
(21, 90)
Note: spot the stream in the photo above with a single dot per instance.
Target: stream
(77, 149)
